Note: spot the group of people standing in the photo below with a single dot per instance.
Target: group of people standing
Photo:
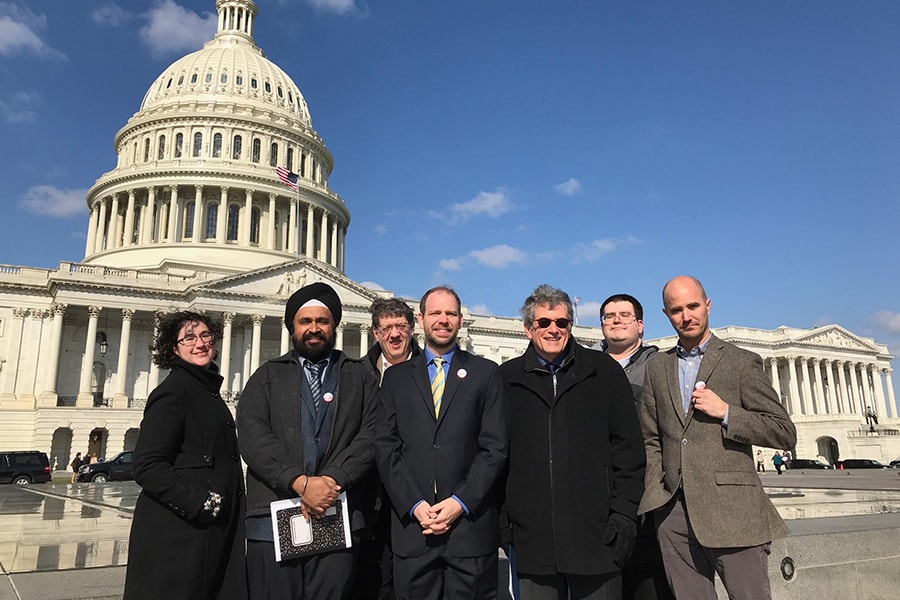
(605, 473)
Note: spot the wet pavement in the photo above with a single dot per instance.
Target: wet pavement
(61, 541)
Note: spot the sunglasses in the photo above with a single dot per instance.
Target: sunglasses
(544, 322)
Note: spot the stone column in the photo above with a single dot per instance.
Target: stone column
(101, 227)
(173, 215)
(92, 230)
(793, 390)
(257, 321)
(293, 235)
(198, 214)
(273, 225)
(877, 387)
(128, 237)
(13, 351)
(246, 347)
(811, 408)
(286, 341)
(334, 260)
(222, 216)
(821, 404)
(113, 241)
(244, 231)
(776, 380)
(49, 396)
(845, 398)
(224, 371)
(147, 234)
(153, 375)
(120, 399)
(339, 336)
(323, 237)
(341, 242)
(855, 393)
(85, 398)
(310, 220)
(892, 402)
(364, 339)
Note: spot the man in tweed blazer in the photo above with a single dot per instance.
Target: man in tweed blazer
(705, 404)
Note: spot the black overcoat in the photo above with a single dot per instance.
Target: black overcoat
(187, 447)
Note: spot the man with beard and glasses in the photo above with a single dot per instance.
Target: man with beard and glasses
(306, 425)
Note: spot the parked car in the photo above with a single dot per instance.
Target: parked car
(24, 467)
(859, 463)
(118, 468)
(895, 464)
(808, 463)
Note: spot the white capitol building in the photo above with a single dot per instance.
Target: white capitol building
(193, 216)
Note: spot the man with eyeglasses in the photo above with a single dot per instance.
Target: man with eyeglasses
(622, 323)
(576, 460)
(306, 426)
(393, 324)
(706, 403)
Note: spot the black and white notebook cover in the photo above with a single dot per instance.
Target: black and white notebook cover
(295, 536)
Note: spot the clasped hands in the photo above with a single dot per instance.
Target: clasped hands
(317, 494)
(436, 520)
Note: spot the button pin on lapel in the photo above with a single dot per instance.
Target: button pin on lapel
(698, 386)
(462, 373)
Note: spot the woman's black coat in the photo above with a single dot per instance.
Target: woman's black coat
(187, 447)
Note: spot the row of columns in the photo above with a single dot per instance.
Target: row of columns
(109, 229)
(822, 386)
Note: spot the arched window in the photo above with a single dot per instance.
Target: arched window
(179, 142)
(290, 159)
(236, 148)
(232, 226)
(212, 219)
(194, 78)
(136, 232)
(208, 78)
(217, 145)
(223, 78)
(188, 220)
(254, 156)
(268, 87)
(239, 79)
(180, 79)
(273, 155)
(253, 83)
(254, 226)
(162, 147)
(146, 149)
(302, 164)
(198, 143)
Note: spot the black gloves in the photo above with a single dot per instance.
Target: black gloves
(620, 535)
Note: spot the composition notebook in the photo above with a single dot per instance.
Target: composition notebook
(295, 536)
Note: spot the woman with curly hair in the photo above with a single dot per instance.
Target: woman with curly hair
(187, 537)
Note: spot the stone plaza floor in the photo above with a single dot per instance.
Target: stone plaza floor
(63, 541)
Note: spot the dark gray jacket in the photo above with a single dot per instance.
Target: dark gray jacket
(269, 427)
(636, 368)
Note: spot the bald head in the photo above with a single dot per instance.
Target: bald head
(686, 305)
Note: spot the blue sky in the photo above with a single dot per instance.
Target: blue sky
(599, 146)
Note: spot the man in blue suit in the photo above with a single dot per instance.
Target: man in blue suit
(440, 447)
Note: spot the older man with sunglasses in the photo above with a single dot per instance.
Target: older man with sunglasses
(576, 460)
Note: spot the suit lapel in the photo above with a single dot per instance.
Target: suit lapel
(674, 387)
(453, 382)
(419, 370)
(711, 358)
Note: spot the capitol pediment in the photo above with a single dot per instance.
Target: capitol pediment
(835, 336)
(278, 282)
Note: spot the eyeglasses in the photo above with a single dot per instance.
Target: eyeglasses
(624, 317)
(400, 327)
(191, 340)
(544, 322)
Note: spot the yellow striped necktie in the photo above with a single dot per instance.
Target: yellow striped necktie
(437, 384)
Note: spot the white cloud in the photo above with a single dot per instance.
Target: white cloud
(380, 229)
(889, 320)
(570, 187)
(111, 14)
(596, 249)
(17, 108)
(480, 309)
(341, 7)
(492, 204)
(371, 285)
(19, 33)
(172, 29)
(451, 264)
(498, 257)
(588, 313)
(54, 202)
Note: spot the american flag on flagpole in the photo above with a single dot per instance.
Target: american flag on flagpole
(288, 177)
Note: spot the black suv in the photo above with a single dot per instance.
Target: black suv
(24, 467)
(860, 463)
(117, 468)
(807, 463)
